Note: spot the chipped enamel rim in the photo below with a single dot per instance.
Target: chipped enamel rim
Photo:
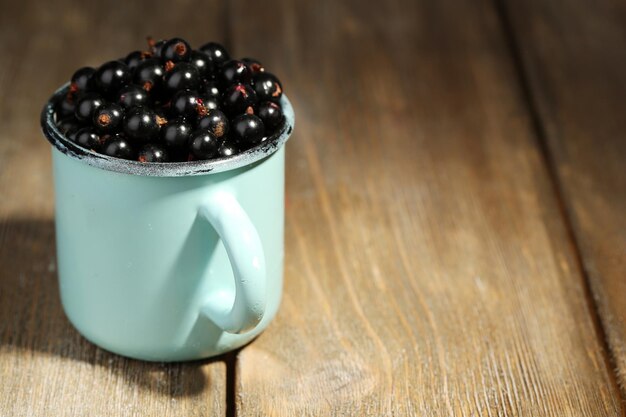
(167, 169)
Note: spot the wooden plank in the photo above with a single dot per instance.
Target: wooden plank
(575, 62)
(46, 368)
(428, 269)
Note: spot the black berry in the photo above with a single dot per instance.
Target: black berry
(111, 76)
(203, 144)
(87, 105)
(235, 71)
(153, 153)
(171, 103)
(142, 124)
(175, 134)
(88, 138)
(210, 89)
(68, 126)
(227, 149)
(247, 130)
(215, 121)
(175, 50)
(267, 87)
(210, 102)
(271, 114)
(72, 135)
(216, 52)
(82, 80)
(118, 147)
(65, 107)
(156, 47)
(108, 118)
(135, 58)
(186, 103)
(183, 76)
(238, 99)
(149, 74)
(253, 65)
(202, 62)
(133, 95)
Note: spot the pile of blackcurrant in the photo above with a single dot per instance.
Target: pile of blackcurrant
(172, 103)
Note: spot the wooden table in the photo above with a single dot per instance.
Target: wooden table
(455, 232)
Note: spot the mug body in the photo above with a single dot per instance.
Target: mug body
(137, 261)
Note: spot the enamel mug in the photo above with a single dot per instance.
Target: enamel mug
(169, 262)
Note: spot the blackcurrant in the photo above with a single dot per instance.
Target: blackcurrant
(72, 135)
(175, 50)
(82, 80)
(203, 144)
(65, 107)
(271, 114)
(253, 65)
(216, 52)
(186, 103)
(227, 148)
(210, 102)
(215, 121)
(210, 88)
(153, 153)
(118, 147)
(133, 95)
(172, 103)
(68, 125)
(202, 61)
(156, 47)
(86, 105)
(247, 130)
(135, 58)
(111, 76)
(175, 134)
(149, 74)
(183, 76)
(142, 124)
(234, 71)
(108, 118)
(267, 87)
(238, 99)
(88, 138)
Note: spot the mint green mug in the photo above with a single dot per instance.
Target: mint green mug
(169, 262)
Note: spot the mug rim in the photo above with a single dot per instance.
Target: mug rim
(162, 169)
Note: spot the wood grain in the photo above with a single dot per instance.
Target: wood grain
(428, 268)
(575, 62)
(46, 368)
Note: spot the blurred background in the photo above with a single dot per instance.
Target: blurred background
(456, 190)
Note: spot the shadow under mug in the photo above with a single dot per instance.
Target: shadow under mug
(169, 262)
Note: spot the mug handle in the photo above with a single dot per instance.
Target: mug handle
(243, 310)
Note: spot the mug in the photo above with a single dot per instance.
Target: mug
(170, 261)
